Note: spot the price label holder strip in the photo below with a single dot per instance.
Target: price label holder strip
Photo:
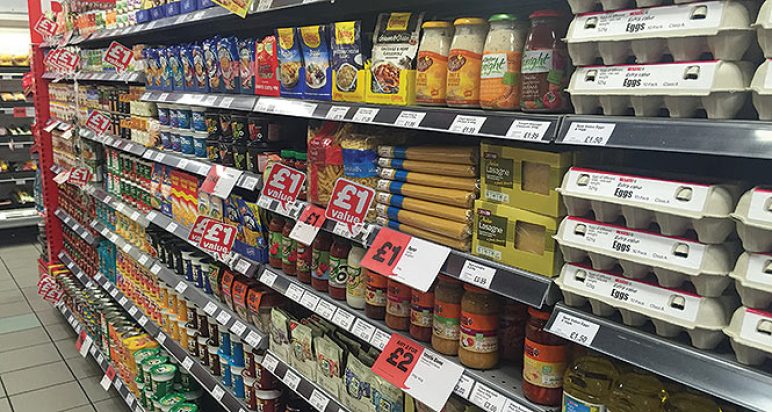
(248, 180)
(305, 388)
(719, 374)
(198, 371)
(96, 353)
(491, 379)
(114, 203)
(76, 226)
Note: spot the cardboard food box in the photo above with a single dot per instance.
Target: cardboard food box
(523, 178)
(516, 237)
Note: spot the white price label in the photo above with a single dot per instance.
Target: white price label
(130, 399)
(591, 134)
(155, 269)
(238, 328)
(512, 406)
(575, 329)
(187, 363)
(242, 266)
(420, 263)
(380, 339)
(294, 292)
(363, 330)
(143, 259)
(464, 386)
(409, 119)
(106, 382)
(122, 301)
(223, 318)
(528, 130)
(326, 309)
(487, 398)
(304, 233)
(309, 300)
(210, 308)
(113, 237)
(292, 380)
(181, 287)
(161, 338)
(467, 124)
(343, 319)
(218, 392)
(264, 5)
(126, 248)
(337, 112)
(159, 157)
(477, 274)
(182, 163)
(318, 400)
(171, 227)
(163, 97)
(209, 100)
(152, 215)
(252, 339)
(226, 102)
(365, 115)
(135, 216)
(113, 292)
(142, 321)
(85, 346)
(133, 310)
(250, 182)
(270, 363)
(268, 278)
(100, 359)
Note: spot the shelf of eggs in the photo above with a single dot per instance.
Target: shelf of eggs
(688, 58)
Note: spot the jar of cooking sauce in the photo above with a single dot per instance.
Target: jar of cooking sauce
(479, 323)
(304, 261)
(421, 313)
(320, 261)
(398, 305)
(464, 62)
(355, 283)
(447, 315)
(275, 230)
(690, 402)
(545, 360)
(432, 63)
(288, 249)
(375, 295)
(512, 321)
(587, 383)
(545, 66)
(635, 391)
(500, 72)
(338, 268)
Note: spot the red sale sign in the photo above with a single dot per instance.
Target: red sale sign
(67, 60)
(52, 60)
(98, 122)
(79, 176)
(197, 231)
(45, 26)
(119, 56)
(397, 360)
(284, 184)
(349, 203)
(383, 255)
(218, 238)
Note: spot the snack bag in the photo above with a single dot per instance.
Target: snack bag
(228, 59)
(316, 62)
(200, 78)
(266, 67)
(247, 65)
(175, 67)
(291, 70)
(186, 58)
(213, 72)
(164, 70)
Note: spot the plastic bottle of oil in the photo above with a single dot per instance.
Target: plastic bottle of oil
(637, 391)
(587, 384)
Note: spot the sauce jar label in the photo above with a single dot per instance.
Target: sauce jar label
(499, 80)
(463, 77)
(431, 77)
(478, 332)
(544, 365)
(543, 78)
(446, 320)
(375, 296)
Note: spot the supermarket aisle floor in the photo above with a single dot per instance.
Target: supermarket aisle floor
(40, 369)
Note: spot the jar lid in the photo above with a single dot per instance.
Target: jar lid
(469, 21)
(502, 17)
(474, 289)
(545, 13)
(539, 314)
(435, 25)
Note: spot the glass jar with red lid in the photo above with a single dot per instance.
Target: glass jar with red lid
(545, 66)
(545, 359)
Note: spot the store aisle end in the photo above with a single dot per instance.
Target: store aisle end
(40, 369)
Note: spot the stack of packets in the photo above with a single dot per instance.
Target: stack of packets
(428, 192)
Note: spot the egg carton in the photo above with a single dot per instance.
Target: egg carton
(763, 26)
(761, 91)
(749, 334)
(718, 87)
(753, 279)
(671, 311)
(584, 6)
(675, 206)
(673, 260)
(754, 219)
(685, 31)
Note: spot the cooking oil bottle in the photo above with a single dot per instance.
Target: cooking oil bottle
(587, 384)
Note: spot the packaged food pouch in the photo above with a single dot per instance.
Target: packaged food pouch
(232, 216)
(395, 47)
(357, 390)
(347, 55)
(175, 66)
(186, 58)
(152, 68)
(246, 65)
(291, 70)
(301, 344)
(164, 70)
(325, 160)
(387, 397)
(328, 364)
(213, 72)
(200, 74)
(315, 44)
(280, 337)
(266, 67)
(228, 59)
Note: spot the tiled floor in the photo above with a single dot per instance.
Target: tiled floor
(40, 370)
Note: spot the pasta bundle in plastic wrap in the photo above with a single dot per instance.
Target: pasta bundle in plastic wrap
(360, 156)
(325, 159)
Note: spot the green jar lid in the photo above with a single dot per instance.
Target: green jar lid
(301, 155)
(152, 361)
(172, 399)
(163, 372)
(184, 407)
(502, 17)
(287, 154)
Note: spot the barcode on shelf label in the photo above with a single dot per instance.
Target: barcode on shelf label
(326, 309)
(142, 321)
(187, 363)
(155, 269)
(309, 300)
(161, 338)
(268, 278)
(294, 292)
(527, 130)
(252, 339)
(363, 330)
(318, 400)
(223, 318)
(181, 286)
(477, 274)
(133, 311)
(380, 339)
(487, 398)
(409, 119)
(143, 259)
(122, 301)
(337, 112)
(343, 319)
(270, 363)
(464, 386)
(292, 380)
(593, 134)
(238, 328)
(365, 114)
(218, 392)
(575, 329)
(467, 124)
(210, 308)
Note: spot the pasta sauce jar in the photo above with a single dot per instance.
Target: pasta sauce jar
(545, 66)
(479, 341)
(432, 64)
(545, 361)
(464, 62)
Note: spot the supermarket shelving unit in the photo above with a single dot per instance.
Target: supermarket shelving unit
(716, 374)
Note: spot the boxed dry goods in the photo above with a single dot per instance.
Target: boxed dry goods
(748, 333)
(671, 310)
(516, 237)
(391, 78)
(673, 260)
(675, 206)
(718, 87)
(685, 31)
(754, 219)
(523, 178)
(753, 279)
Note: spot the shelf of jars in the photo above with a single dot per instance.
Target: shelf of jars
(76, 226)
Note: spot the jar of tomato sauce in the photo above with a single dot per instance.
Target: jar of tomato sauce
(275, 228)
(320, 261)
(421, 314)
(288, 249)
(545, 66)
(545, 361)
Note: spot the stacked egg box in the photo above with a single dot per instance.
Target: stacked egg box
(655, 33)
(672, 258)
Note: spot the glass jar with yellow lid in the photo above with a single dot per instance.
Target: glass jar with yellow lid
(464, 62)
(432, 66)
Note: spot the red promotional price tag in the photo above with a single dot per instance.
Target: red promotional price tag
(197, 231)
(397, 360)
(349, 203)
(80, 340)
(98, 122)
(110, 372)
(220, 181)
(308, 224)
(52, 60)
(383, 255)
(45, 26)
(67, 60)
(23, 112)
(284, 184)
(119, 56)
(218, 238)
(107, 380)
(79, 176)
